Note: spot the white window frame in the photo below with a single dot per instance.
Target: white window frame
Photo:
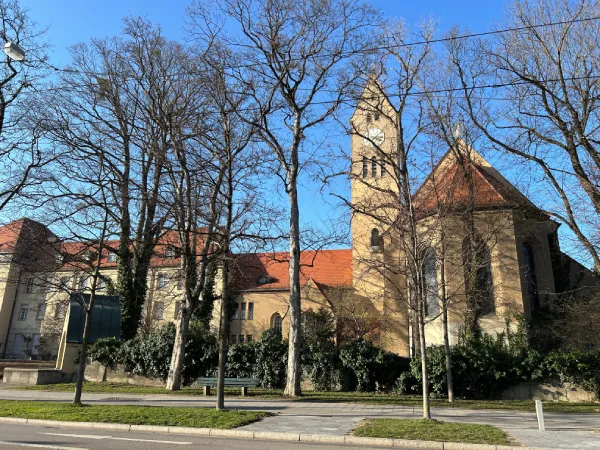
(159, 311)
(41, 311)
(29, 285)
(24, 308)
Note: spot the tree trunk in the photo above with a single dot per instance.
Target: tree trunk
(424, 371)
(223, 338)
(292, 387)
(183, 325)
(83, 354)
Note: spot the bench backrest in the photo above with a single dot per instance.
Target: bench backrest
(230, 382)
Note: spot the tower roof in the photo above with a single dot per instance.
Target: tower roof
(446, 188)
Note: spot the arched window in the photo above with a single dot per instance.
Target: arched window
(277, 322)
(375, 240)
(530, 276)
(430, 284)
(478, 277)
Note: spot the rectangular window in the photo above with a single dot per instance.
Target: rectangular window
(159, 311)
(112, 257)
(171, 252)
(29, 286)
(233, 341)
(83, 282)
(180, 284)
(101, 284)
(251, 311)
(243, 310)
(383, 171)
(235, 311)
(177, 310)
(60, 311)
(249, 338)
(23, 311)
(365, 167)
(161, 280)
(241, 338)
(41, 311)
(64, 283)
(374, 167)
(376, 115)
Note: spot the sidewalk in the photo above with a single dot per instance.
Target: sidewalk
(571, 431)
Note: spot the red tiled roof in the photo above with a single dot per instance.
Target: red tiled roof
(159, 259)
(449, 190)
(23, 228)
(324, 267)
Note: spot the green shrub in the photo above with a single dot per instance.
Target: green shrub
(150, 356)
(241, 359)
(367, 368)
(578, 367)
(105, 351)
(271, 359)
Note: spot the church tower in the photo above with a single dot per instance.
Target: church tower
(375, 256)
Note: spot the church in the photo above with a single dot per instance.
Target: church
(520, 266)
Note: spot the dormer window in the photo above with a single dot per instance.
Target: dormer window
(265, 279)
(376, 241)
(112, 257)
(171, 252)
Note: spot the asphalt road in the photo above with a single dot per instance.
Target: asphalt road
(16, 437)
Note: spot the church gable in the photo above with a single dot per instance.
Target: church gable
(447, 188)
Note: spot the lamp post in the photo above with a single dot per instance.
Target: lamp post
(13, 51)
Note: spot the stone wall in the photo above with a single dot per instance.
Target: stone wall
(25, 364)
(98, 373)
(566, 392)
(24, 376)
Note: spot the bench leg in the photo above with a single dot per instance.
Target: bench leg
(244, 391)
(206, 390)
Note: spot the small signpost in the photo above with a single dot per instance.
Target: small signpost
(539, 410)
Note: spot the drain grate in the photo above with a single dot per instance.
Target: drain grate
(120, 399)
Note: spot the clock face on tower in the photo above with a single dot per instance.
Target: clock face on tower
(373, 136)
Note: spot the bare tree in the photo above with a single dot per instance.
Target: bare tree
(107, 108)
(532, 92)
(297, 56)
(22, 159)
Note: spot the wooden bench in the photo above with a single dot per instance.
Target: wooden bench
(243, 383)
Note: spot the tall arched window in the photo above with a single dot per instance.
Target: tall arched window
(530, 276)
(478, 277)
(430, 284)
(277, 323)
(375, 240)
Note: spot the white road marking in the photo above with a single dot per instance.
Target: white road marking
(26, 444)
(96, 436)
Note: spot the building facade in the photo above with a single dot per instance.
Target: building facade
(519, 265)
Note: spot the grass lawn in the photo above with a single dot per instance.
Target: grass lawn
(432, 430)
(350, 397)
(136, 415)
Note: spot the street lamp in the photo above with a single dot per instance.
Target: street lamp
(13, 51)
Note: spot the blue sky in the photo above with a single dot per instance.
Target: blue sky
(73, 21)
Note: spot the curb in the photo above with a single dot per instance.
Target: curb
(266, 435)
